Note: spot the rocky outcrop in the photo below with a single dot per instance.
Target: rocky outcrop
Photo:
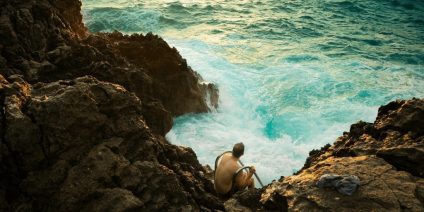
(397, 135)
(83, 116)
(385, 155)
(383, 187)
(83, 145)
(46, 41)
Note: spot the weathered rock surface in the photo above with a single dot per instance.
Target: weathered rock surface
(83, 116)
(386, 155)
(383, 188)
(83, 145)
(46, 41)
(397, 135)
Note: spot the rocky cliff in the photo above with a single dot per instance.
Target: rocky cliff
(83, 118)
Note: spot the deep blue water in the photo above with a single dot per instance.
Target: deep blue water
(293, 75)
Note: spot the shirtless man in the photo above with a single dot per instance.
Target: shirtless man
(227, 166)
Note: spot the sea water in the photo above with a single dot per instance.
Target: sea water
(292, 75)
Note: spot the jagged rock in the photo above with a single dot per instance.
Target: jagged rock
(49, 42)
(386, 155)
(313, 155)
(247, 200)
(82, 144)
(400, 141)
(112, 199)
(211, 93)
(250, 200)
(166, 67)
(159, 119)
(382, 187)
(402, 115)
(71, 142)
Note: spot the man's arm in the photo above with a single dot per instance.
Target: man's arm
(244, 179)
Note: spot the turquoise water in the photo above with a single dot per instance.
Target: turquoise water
(293, 75)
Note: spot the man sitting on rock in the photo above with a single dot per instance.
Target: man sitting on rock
(229, 175)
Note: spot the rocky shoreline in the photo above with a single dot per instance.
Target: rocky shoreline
(84, 116)
(387, 156)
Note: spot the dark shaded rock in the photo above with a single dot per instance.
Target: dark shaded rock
(4, 206)
(250, 200)
(112, 199)
(360, 128)
(158, 117)
(402, 115)
(71, 14)
(171, 69)
(46, 41)
(209, 172)
(84, 145)
(70, 142)
(406, 158)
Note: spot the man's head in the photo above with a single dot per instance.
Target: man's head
(238, 150)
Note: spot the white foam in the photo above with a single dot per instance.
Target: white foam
(243, 92)
(282, 96)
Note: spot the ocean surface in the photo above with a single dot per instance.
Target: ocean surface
(293, 75)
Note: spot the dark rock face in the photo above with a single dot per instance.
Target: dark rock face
(83, 145)
(46, 41)
(83, 116)
(386, 155)
(250, 200)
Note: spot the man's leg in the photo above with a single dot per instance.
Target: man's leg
(251, 183)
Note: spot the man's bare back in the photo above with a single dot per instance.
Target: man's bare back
(227, 166)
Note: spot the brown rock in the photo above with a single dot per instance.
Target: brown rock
(70, 142)
(395, 136)
(382, 187)
(83, 145)
(402, 115)
(49, 42)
